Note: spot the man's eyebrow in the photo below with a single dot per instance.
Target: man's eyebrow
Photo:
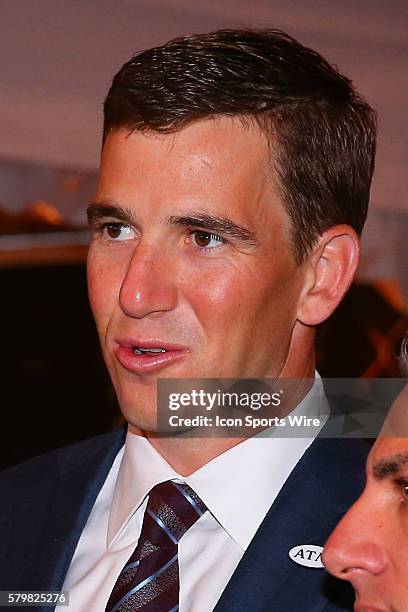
(216, 224)
(390, 466)
(98, 212)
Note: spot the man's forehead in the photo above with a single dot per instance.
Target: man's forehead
(202, 142)
(396, 422)
(222, 165)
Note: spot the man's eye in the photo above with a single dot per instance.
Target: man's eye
(403, 486)
(117, 232)
(206, 240)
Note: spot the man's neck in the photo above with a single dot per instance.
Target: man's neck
(188, 454)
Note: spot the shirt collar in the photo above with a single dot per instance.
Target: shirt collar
(238, 499)
(134, 481)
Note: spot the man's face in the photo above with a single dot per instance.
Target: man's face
(190, 254)
(369, 547)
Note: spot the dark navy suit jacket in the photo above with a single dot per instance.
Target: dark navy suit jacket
(46, 502)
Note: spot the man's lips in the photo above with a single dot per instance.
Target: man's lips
(147, 363)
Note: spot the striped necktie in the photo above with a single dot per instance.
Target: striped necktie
(149, 582)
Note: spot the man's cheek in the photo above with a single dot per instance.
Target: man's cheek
(220, 304)
(103, 289)
(221, 289)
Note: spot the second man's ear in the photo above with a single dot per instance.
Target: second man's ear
(329, 270)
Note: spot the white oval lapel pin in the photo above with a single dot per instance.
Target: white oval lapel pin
(308, 555)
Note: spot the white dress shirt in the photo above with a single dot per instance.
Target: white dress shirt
(238, 487)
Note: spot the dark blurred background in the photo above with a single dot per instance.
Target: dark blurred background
(58, 59)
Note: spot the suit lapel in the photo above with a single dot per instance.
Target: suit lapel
(79, 480)
(308, 507)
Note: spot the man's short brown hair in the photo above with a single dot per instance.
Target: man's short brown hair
(321, 132)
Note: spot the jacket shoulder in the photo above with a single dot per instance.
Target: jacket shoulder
(29, 474)
(339, 466)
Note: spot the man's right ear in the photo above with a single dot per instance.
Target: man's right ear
(329, 270)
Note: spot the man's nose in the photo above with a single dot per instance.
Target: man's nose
(149, 285)
(354, 549)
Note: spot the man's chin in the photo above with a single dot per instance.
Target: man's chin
(136, 430)
(150, 429)
(139, 423)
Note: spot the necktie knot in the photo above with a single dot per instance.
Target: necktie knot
(171, 510)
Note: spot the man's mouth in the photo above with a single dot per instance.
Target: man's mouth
(148, 351)
(147, 357)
